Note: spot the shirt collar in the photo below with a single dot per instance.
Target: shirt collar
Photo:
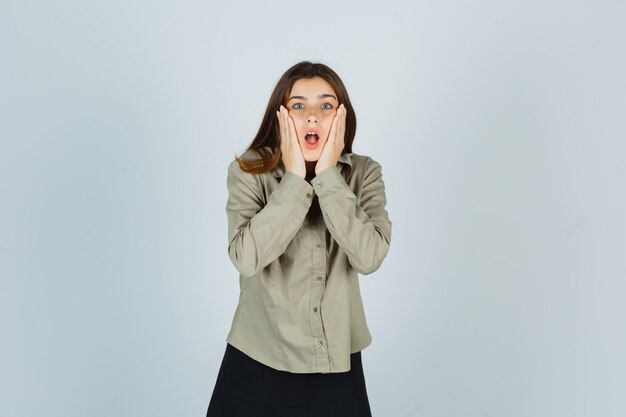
(344, 164)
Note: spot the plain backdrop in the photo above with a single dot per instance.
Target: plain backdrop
(500, 127)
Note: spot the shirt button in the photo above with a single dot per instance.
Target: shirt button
(318, 185)
(321, 343)
(319, 277)
(308, 195)
(319, 245)
(315, 309)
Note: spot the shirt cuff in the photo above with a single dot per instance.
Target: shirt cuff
(297, 186)
(327, 180)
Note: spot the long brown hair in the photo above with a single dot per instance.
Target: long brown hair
(269, 131)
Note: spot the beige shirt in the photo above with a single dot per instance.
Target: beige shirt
(298, 247)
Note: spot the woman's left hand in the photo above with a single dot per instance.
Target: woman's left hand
(335, 143)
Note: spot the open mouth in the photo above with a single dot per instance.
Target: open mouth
(311, 138)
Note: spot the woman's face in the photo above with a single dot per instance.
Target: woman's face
(312, 104)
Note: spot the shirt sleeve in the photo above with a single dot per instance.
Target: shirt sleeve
(361, 227)
(258, 233)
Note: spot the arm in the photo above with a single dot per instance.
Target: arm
(259, 234)
(361, 228)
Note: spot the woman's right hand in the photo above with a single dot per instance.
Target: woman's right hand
(290, 147)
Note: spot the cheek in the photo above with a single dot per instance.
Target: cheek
(327, 122)
(296, 116)
(297, 120)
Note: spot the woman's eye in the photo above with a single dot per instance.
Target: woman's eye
(298, 104)
(330, 106)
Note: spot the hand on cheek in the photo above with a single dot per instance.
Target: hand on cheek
(335, 142)
(292, 156)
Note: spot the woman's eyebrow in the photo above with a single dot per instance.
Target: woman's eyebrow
(304, 98)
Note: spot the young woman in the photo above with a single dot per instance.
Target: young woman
(306, 215)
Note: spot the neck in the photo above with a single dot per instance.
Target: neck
(310, 168)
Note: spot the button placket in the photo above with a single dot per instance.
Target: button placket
(318, 271)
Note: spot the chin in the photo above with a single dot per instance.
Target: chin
(310, 155)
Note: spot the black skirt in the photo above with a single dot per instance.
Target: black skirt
(248, 388)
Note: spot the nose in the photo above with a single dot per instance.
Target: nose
(312, 118)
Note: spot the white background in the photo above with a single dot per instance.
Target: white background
(500, 129)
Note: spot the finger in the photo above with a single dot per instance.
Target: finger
(338, 123)
(287, 128)
(280, 124)
(343, 125)
(342, 135)
(292, 129)
(343, 117)
(283, 117)
(284, 142)
(333, 128)
(339, 118)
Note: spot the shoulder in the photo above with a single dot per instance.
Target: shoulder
(248, 155)
(361, 158)
(364, 164)
(236, 174)
(255, 181)
(256, 154)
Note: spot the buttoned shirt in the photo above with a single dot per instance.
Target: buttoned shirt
(298, 248)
